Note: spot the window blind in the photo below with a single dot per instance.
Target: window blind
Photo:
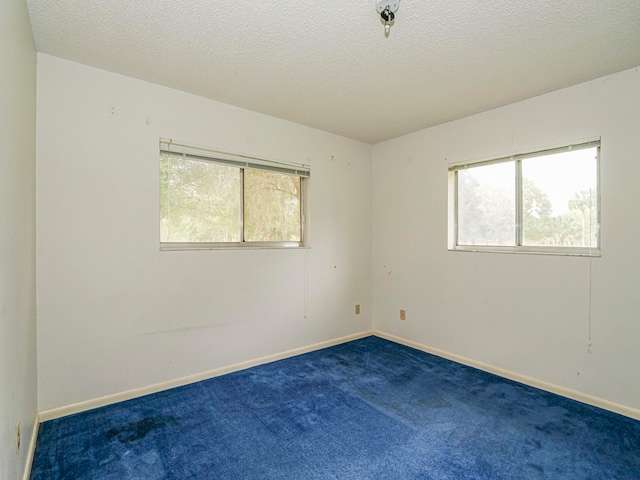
(173, 149)
(522, 156)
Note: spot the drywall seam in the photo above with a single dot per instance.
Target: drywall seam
(78, 407)
(32, 448)
(533, 382)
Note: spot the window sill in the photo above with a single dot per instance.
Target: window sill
(557, 251)
(179, 246)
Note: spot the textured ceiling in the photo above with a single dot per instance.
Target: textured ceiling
(327, 64)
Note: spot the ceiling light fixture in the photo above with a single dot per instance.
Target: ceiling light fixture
(387, 10)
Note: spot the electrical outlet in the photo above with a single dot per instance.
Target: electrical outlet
(17, 435)
(403, 315)
(357, 309)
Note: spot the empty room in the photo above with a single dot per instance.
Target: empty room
(375, 239)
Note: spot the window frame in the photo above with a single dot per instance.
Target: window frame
(242, 162)
(518, 224)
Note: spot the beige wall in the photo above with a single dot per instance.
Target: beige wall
(17, 235)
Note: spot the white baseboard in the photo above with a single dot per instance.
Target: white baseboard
(533, 382)
(65, 410)
(32, 448)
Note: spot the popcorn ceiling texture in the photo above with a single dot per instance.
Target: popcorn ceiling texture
(328, 65)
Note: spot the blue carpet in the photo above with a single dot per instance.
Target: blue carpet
(367, 409)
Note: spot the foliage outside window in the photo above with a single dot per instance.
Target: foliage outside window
(211, 199)
(541, 202)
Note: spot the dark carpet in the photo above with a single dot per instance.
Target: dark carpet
(367, 409)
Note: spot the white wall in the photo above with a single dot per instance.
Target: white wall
(525, 314)
(17, 235)
(115, 313)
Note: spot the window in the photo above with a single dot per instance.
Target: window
(212, 199)
(540, 202)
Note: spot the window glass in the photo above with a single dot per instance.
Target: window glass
(271, 207)
(541, 202)
(486, 205)
(215, 199)
(199, 201)
(559, 195)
